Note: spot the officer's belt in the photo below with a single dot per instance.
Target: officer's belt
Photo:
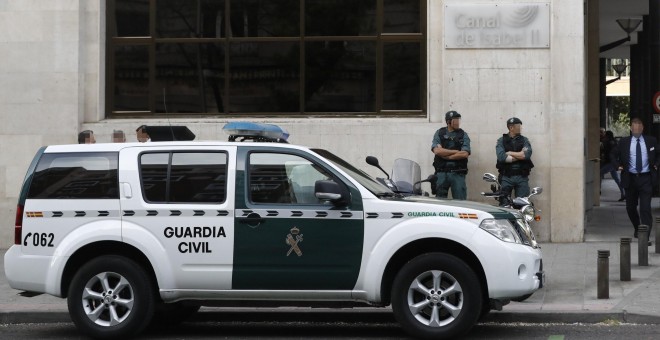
(515, 172)
(452, 170)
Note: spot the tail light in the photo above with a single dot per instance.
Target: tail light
(18, 229)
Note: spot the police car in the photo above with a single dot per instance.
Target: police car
(139, 232)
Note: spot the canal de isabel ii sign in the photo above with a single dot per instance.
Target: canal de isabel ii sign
(521, 25)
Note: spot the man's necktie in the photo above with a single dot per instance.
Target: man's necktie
(638, 160)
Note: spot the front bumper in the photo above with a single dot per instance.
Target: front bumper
(511, 269)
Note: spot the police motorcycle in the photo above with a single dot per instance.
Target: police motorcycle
(522, 204)
(406, 177)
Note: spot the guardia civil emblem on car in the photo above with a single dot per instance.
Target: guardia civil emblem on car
(293, 239)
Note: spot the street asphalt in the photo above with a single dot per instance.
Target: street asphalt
(570, 294)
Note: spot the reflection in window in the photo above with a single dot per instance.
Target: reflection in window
(131, 19)
(401, 16)
(190, 177)
(190, 19)
(340, 17)
(131, 91)
(265, 77)
(401, 76)
(283, 179)
(191, 77)
(153, 172)
(198, 177)
(265, 18)
(340, 76)
(76, 176)
(232, 57)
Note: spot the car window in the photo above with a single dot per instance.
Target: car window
(89, 175)
(184, 177)
(362, 177)
(284, 179)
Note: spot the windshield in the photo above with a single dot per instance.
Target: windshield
(365, 180)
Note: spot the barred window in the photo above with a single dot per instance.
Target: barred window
(285, 57)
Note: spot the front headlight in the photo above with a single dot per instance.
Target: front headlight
(501, 229)
(528, 212)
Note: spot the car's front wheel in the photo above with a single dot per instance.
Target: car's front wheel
(111, 297)
(436, 296)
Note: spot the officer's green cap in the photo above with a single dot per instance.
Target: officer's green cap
(451, 115)
(513, 121)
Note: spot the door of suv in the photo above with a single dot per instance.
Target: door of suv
(177, 208)
(287, 239)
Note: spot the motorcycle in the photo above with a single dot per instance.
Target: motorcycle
(406, 177)
(523, 204)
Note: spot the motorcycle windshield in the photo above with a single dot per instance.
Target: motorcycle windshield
(406, 172)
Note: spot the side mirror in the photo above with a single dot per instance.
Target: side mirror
(326, 190)
(373, 161)
(488, 177)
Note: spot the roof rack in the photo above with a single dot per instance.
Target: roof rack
(256, 132)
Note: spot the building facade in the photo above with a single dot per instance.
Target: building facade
(372, 78)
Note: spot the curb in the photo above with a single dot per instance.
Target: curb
(571, 317)
(352, 317)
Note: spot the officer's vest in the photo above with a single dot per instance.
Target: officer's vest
(518, 168)
(439, 163)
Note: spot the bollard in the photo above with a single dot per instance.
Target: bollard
(643, 245)
(624, 259)
(657, 235)
(603, 274)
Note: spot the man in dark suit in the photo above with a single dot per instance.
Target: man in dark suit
(638, 161)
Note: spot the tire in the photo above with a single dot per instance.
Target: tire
(522, 298)
(111, 297)
(436, 296)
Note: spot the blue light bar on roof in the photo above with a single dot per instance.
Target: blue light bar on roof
(256, 131)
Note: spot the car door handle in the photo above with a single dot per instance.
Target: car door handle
(252, 219)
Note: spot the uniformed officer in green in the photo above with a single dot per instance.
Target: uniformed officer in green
(514, 161)
(451, 146)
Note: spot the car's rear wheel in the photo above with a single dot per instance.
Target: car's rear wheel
(111, 297)
(436, 296)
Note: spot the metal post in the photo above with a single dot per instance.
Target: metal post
(624, 259)
(603, 274)
(657, 235)
(643, 245)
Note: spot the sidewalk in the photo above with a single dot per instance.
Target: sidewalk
(569, 295)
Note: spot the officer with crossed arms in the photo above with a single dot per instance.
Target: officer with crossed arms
(514, 153)
(451, 146)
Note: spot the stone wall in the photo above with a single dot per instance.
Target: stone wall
(52, 86)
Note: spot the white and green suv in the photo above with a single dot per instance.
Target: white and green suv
(129, 233)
